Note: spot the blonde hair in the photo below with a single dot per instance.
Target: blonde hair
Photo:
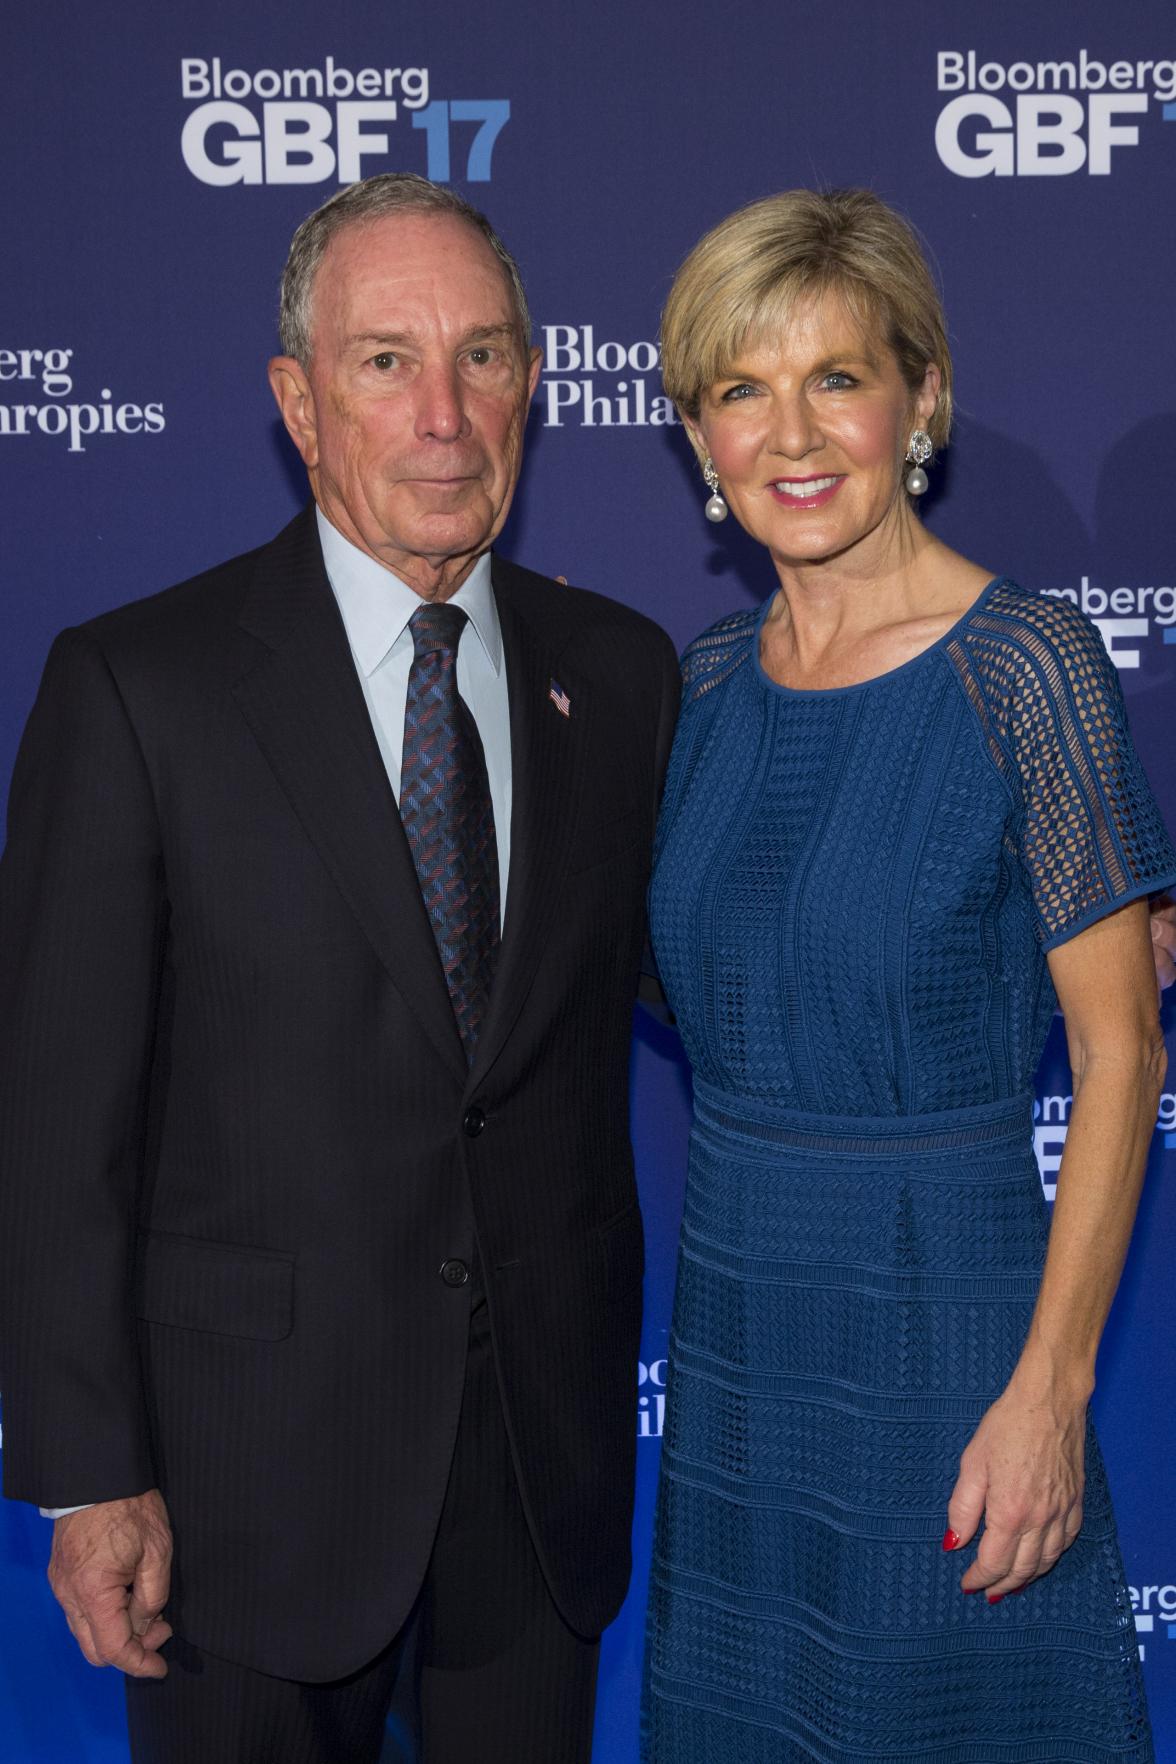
(742, 281)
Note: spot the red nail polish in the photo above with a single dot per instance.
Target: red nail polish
(995, 1598)
(971, 1589)
(951, 1539)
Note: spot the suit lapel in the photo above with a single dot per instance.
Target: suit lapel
(547, 758)
(307, 711)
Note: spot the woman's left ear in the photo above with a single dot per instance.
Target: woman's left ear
(928, 396)
(694, 434)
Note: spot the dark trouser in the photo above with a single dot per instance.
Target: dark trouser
(484, 1672)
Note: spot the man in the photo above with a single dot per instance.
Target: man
(320, 1246)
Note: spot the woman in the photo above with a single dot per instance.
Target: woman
(903, 810)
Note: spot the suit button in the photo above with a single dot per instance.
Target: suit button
(473, 1121)
(454, 1273)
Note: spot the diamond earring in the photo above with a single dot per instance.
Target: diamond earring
(716, 509)
(920, 447)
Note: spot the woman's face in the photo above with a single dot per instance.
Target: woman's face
(808, 435)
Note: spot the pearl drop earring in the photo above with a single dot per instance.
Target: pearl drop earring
(920, 447)
(716, 508)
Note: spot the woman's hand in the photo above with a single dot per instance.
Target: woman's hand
(1023, 1469)
(1023, 1472)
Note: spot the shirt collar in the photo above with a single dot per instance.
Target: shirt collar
(376, 605)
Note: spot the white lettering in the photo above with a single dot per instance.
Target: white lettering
(1049, 1144)
(354, 144)
(1111, 630)
(242, 156)
(595, 405)
(1053, 75)
(194, 81)
(1054, 123)
(651, 1416)
(303, 81)
(949, 70)
(340, 80)
(1092, 75)
(993, 153)
(414, 87)
(561, 395)
(1104, 134)
(83, 420)
(560, 353)
(296, 137)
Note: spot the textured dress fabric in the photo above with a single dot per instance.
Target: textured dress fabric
(854, 895)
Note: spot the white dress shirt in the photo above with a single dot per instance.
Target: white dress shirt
(376, 607)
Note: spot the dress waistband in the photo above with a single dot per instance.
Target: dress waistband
(1010, 1119)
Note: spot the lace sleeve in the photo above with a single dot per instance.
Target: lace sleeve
(1091, 834)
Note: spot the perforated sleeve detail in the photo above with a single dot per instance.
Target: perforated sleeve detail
(1090, 834)
(711, 658)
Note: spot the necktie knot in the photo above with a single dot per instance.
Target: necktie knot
(436, 626)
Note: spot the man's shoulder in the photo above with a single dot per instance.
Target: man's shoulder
(198, 611)
(194, 599)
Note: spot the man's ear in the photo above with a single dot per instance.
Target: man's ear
(534, 367)
(295, 400)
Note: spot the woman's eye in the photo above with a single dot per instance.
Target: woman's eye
(734, 393)
(838, 381)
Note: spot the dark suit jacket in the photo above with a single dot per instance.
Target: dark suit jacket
(238, 1135)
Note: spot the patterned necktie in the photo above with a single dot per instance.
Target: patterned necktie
(448, 817)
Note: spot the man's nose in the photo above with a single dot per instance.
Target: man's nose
(440, 414)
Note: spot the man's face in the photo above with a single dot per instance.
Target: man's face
(409, 416)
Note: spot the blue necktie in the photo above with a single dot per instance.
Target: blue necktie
(448, 817)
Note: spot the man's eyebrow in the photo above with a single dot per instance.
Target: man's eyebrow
(385, 337)
(395, 339)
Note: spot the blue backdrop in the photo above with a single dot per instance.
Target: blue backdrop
(157, 161)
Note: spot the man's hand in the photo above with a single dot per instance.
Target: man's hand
(1163, 930)
(110, 1570)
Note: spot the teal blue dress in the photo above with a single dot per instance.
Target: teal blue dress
(854, 896)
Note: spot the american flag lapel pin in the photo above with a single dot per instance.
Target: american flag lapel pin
(560, 699)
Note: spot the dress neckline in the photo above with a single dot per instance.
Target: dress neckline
(912, 661)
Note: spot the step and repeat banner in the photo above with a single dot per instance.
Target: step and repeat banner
(157, 161)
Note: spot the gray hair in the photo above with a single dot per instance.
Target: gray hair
(370, 200)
